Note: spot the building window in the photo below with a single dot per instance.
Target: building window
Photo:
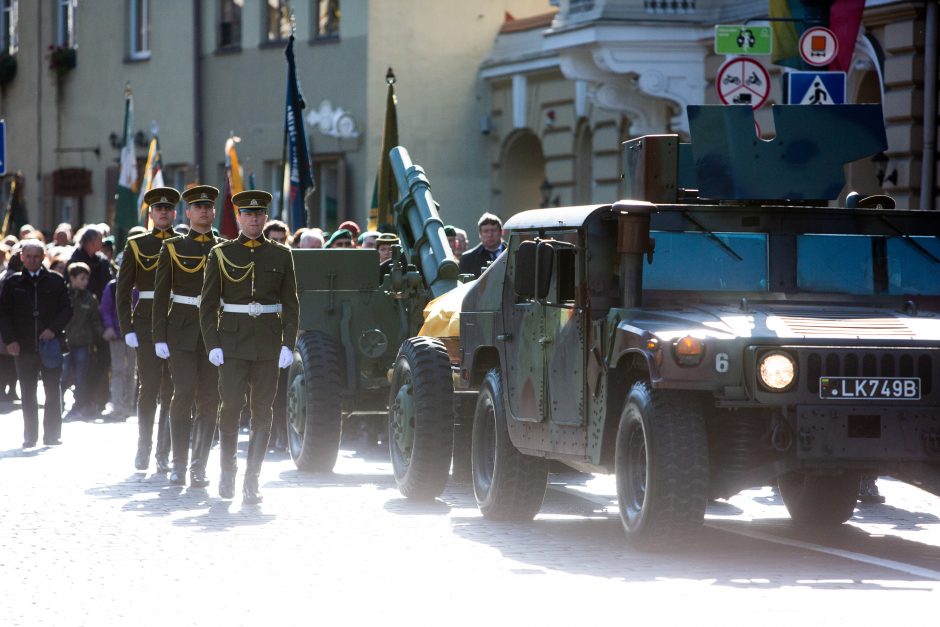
(230, 23)
(327, 19)
(277, 20)
(65, 23)
(140, 29)
(9, 12)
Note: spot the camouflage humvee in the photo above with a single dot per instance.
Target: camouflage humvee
(722, 329)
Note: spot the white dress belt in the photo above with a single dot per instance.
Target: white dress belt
(252, 309)
(146, 295)
(186, 300)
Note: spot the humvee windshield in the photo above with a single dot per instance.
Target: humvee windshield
(832, 264)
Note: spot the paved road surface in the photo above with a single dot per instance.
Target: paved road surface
(87, 540)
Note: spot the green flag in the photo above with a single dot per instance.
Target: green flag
(386, 188)
(125, 215)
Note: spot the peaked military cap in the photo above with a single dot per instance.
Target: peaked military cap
(162, 196)
(387, 238)
(252, 200)
(200, 194)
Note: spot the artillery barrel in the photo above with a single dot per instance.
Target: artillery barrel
(420, 227)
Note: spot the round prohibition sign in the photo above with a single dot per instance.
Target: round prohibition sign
(743, 81)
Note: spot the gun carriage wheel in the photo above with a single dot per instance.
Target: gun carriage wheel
(314, 407)
(421, 418)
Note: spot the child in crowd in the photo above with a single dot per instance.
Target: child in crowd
(82, 331)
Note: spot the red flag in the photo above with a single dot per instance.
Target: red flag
(845, 17)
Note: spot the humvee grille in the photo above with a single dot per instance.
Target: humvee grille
(846, 324)
(876, 363)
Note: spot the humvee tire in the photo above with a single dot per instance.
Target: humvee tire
(314, 407)
(421, 418)
(819, 500)
(507, 484)
(661, 464)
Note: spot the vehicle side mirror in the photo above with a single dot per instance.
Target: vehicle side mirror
(534, 262)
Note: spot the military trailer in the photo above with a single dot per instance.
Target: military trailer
(722, 329)
(354, 317)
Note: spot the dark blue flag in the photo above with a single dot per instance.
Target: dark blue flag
(298, 159)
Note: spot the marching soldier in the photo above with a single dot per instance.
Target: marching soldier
(138, 269)
(248, 314)
(177, 337)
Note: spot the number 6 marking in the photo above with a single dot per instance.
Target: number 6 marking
(721, 362)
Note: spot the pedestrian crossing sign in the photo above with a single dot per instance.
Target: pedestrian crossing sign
(816, 88)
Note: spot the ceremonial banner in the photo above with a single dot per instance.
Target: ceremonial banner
(298, 157)
(228, 226)
(386, 190)
(125, 216)
(153, 177)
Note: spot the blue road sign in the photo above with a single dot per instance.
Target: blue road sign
(3, 147)
(816, 88)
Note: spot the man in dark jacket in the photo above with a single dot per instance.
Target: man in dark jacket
(34, 309)
(475, 260)
(89, 252)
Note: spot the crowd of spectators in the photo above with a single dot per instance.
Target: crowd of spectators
(86, 263)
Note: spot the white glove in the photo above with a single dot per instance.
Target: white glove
(215, 357)
(131, 340)
(286, 358)
(162, 350)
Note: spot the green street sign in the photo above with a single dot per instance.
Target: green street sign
(743, 39)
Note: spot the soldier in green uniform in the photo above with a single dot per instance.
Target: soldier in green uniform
(138, 269)
(178, 339)
(249, 316)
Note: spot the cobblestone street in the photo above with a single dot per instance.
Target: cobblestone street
(86, 540)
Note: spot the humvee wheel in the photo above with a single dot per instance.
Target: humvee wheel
(507, 484)
(661, 463)
(421, 418)
(819, 500)
(314, 408)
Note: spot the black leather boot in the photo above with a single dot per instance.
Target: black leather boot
(257, 447)
(228, 445)
(202, 442)
(179, 437)
(163, 440)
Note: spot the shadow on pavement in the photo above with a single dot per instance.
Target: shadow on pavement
(293, 478)
(577, 536)
(225, 515)
(21, 452)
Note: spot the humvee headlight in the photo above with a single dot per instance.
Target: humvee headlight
(777, 371)
(689, 351)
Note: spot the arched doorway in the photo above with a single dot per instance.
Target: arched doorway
(522, 173)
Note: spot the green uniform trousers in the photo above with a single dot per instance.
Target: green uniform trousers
(195, 386)
(236, 378)
(151, 372)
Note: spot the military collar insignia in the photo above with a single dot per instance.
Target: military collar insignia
(252, 243)
(163, 234)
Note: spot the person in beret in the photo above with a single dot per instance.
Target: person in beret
(341, 238)
(352, 227)
(248, 312)
(178, 339)
(138, 270)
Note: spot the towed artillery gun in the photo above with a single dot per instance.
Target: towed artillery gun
(723, 328)
(353, 319)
